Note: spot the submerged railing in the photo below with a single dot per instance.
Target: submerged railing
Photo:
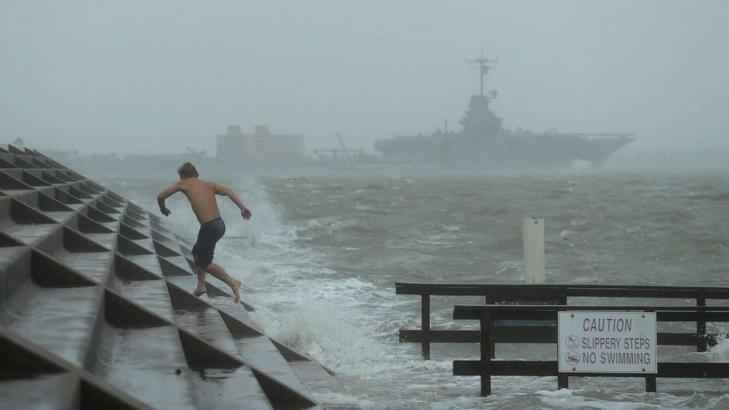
(524, 315)
(528, 314)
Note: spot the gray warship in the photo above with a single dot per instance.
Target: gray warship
(483, 143)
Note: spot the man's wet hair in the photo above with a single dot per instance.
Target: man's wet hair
(187, 170)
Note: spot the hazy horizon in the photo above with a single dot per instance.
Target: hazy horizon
(157, 77)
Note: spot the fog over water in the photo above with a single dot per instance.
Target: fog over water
(137, 76)
(321, 255)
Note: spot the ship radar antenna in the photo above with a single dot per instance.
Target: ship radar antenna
(484, 65)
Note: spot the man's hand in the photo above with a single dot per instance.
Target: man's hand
(164, 194)
(246, 213)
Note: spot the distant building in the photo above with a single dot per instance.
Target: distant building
(260, 148)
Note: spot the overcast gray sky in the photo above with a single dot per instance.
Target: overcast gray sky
(156, 76)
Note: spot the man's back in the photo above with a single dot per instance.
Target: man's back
(201, 195)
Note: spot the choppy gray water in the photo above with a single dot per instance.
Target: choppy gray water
(320, 258)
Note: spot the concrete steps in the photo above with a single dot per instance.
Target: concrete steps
(98, 312)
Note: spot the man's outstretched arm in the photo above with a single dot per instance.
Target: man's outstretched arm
(163, 195)
(224, 190)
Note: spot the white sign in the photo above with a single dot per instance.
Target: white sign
(607, 342)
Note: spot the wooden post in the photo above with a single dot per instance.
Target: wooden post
(650, 383)
(492, 340)
(563, 381)
(563, 296)
(492, 343)
(489, 297)
(485, 354)
(425, 325)
(701, 344)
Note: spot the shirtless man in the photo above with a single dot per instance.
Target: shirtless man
(201, 195)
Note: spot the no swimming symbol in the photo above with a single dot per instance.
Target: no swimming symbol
(573, 358)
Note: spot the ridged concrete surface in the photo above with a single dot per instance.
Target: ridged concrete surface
(97, 310)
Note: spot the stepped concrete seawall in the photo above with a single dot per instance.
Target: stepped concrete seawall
(98, 312)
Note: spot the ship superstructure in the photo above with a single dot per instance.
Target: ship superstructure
(483, 143)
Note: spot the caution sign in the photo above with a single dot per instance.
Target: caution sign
(607, 342)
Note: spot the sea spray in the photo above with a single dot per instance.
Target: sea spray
(321, 273)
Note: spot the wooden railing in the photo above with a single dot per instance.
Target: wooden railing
(547, 295)
(522, 329)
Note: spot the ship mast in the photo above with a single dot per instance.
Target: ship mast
(484, 64)
(479, 119)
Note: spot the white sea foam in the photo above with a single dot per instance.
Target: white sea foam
(318, 313)
(720, 351)
(451, 228)
(359, 207)
(567, 399)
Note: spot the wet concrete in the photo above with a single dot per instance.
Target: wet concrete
(152, 295)
(59, 319)
(40, 392)
(228, 388)
(148, 363)
(97, 309)
(94, 265)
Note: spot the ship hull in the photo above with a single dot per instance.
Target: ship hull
(527, 150)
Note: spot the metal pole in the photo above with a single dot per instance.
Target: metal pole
(534, 249)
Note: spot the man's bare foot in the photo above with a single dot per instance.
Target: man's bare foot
(236, 290)
(200, 290)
